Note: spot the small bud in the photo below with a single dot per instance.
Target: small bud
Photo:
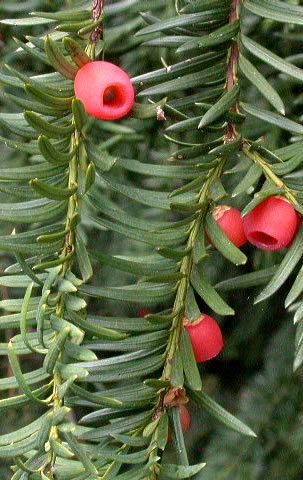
(160, 114)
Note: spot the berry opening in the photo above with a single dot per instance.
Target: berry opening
(263, 238)
(113, 96)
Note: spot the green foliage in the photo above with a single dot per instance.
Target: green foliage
(110, 218)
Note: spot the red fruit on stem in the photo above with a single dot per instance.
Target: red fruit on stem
(105, 90)
(230, 220)
(206, 337)
(272, 225)
(185, 421)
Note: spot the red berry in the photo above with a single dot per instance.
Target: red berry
(272, 225)
(185, 421)
(143, 312)
(206, 337)
(230, 220)
(105, 90)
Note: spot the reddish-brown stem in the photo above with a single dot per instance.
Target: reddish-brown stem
(234, 14)
(97, 9)
(232, 69)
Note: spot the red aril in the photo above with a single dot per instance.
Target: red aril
(272, 224)
(206, 337)
(105, 90)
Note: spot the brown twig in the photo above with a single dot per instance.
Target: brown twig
(232, 70)
(97, 10)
